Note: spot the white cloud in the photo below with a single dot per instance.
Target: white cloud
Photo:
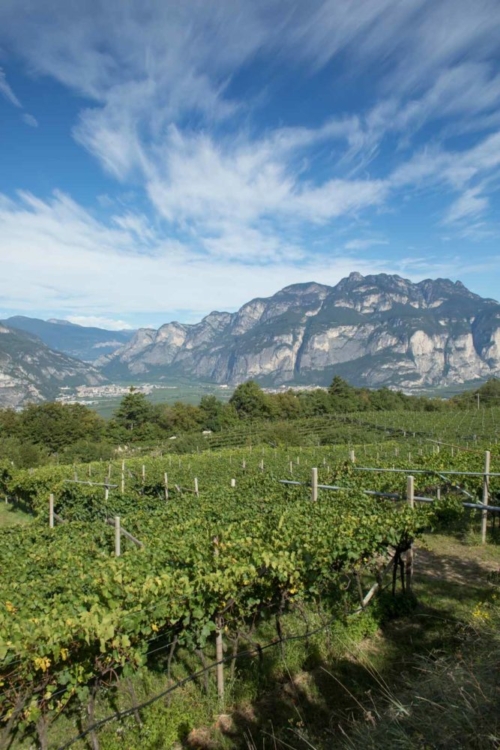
(30, 120)
(160, 111)
(60, 258)
(434, 165)
(99, 321)
(470, 203)
(6, 90)
(195, 180)
(364, 244)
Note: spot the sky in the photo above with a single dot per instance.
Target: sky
(161, 159)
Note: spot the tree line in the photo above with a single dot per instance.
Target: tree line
(73, 432)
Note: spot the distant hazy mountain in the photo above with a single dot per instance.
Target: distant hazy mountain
(31, 372)
(77, 341)
(373, 330)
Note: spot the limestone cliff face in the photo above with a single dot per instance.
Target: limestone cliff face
(373, 330)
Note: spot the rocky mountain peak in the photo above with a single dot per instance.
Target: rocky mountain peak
(375, 329)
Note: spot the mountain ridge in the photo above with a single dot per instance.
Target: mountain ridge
(83, 342)
(31, 372)
(376, 329)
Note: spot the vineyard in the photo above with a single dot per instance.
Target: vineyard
(209, 547)
(466, 427)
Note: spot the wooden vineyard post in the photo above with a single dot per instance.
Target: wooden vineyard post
(262, 464)
(51, 511)
(219, 644)
(410, 499)
(243, 464)
(106, 494)
(233, 482)
(291, 467)
(196, 487)
(117, 537)
(123, 478)
(109, 471)
(352, 457)
(486, 491)
(165, 482)
(314, 485)
(143, 475)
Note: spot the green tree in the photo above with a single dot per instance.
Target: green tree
(134, 410)
(344, 397)
(250, 401)
(56, 426)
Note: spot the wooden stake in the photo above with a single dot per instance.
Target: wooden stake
(219, 644)
(314, 485)
(233, 482)
(123, 478)
(410, 498)
(352, 457)
(143, 475)
(219, 655)
(410, 491)
(486, 492)
(117, 537)
(51, 511)
(165, 480)
(196, 487)
(291, 467)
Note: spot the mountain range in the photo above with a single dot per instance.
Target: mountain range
(82, 342)
(31, 372)
(379, 330)
(371, 330)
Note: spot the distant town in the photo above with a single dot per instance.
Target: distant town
(92, 394)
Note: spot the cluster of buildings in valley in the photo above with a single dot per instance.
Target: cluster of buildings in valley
(90, 394)
(284, 388)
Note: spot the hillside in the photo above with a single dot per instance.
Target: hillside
(82, 342)
(31, 372)
(374, 330)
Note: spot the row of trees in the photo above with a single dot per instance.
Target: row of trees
(75, 432)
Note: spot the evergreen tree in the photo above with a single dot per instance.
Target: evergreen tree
(134, 410)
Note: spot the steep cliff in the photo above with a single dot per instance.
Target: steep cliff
(373, 330)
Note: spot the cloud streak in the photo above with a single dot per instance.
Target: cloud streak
(222, 188)
(62, 257)
(6, 90)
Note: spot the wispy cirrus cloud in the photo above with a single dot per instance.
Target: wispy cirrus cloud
(87, 269)
(6, 90)
(364, 243)
(30, 120)
(163, 109)
(469, 204)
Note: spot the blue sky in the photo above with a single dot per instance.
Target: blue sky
(159, 160)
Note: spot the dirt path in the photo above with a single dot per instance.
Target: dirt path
(452, 560)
